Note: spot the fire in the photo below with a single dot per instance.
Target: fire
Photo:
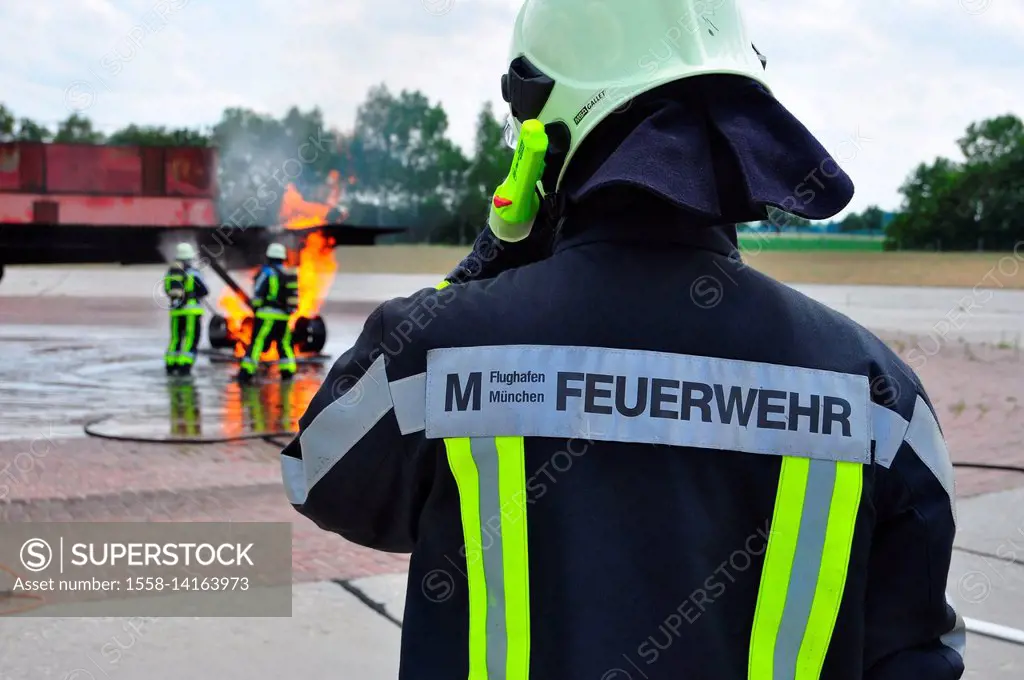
(315, 264)
(316, 270)
(239, 319)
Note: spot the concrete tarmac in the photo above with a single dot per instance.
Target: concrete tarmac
(976, 315)
(331, 634)
(334, 632)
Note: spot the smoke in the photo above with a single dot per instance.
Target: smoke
(169, 241)
(259, 156)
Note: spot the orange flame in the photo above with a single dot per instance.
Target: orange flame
(316, 271)
(239, 319)
(314, 262)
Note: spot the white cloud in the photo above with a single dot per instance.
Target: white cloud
(908, 76)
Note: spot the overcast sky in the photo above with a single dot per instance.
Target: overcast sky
(884, 84)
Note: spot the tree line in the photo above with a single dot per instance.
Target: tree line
(401, 168)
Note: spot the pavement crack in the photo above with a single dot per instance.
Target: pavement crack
(981, 553)
(368, 601)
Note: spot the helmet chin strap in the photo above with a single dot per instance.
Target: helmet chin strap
(559, 139)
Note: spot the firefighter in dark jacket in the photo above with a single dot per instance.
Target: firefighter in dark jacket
(185, 289)
(275, 296)
(612, 448)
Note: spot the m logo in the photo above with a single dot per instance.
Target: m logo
(458, 396)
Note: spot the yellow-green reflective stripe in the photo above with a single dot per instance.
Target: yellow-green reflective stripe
(835, 562)
(190, 334)
(460, 460)
(261, 338)
(274, 285)
(511, 456)
(491, 476)
(807, 562)
(805, 568)
(778, 563)
(172, 346)
(443, 284)
(190, 284)
(286, 344)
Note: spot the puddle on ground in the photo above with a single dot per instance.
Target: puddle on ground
(53, 383)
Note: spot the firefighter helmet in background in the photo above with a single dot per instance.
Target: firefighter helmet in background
(573, 63)
(276, 251)
(184, 252)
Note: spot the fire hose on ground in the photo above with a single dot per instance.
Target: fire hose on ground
(272, 437)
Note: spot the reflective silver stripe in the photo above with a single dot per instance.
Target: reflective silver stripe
(341, 425)
(888, 429)
(409, 395)
(410, 398)
(956, 639)
(485, 455)
(925, 438)
(648, 398)
(923, 435)
(294, 477)
(821, 479)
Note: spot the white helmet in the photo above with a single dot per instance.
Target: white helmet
(185, 252)
(276, 251)
(575, 62)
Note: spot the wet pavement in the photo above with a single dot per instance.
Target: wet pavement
(58, 379)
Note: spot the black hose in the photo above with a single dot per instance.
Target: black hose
(269, 437)
(990, 466)
(995, 468)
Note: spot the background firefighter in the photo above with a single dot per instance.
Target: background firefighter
(184, 286)
(275, 297)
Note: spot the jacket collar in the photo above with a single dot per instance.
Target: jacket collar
(657, 224)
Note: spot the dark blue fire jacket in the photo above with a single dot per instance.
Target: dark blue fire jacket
(638, 457)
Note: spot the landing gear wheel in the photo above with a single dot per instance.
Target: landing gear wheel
(220, 337)
(310, 334)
